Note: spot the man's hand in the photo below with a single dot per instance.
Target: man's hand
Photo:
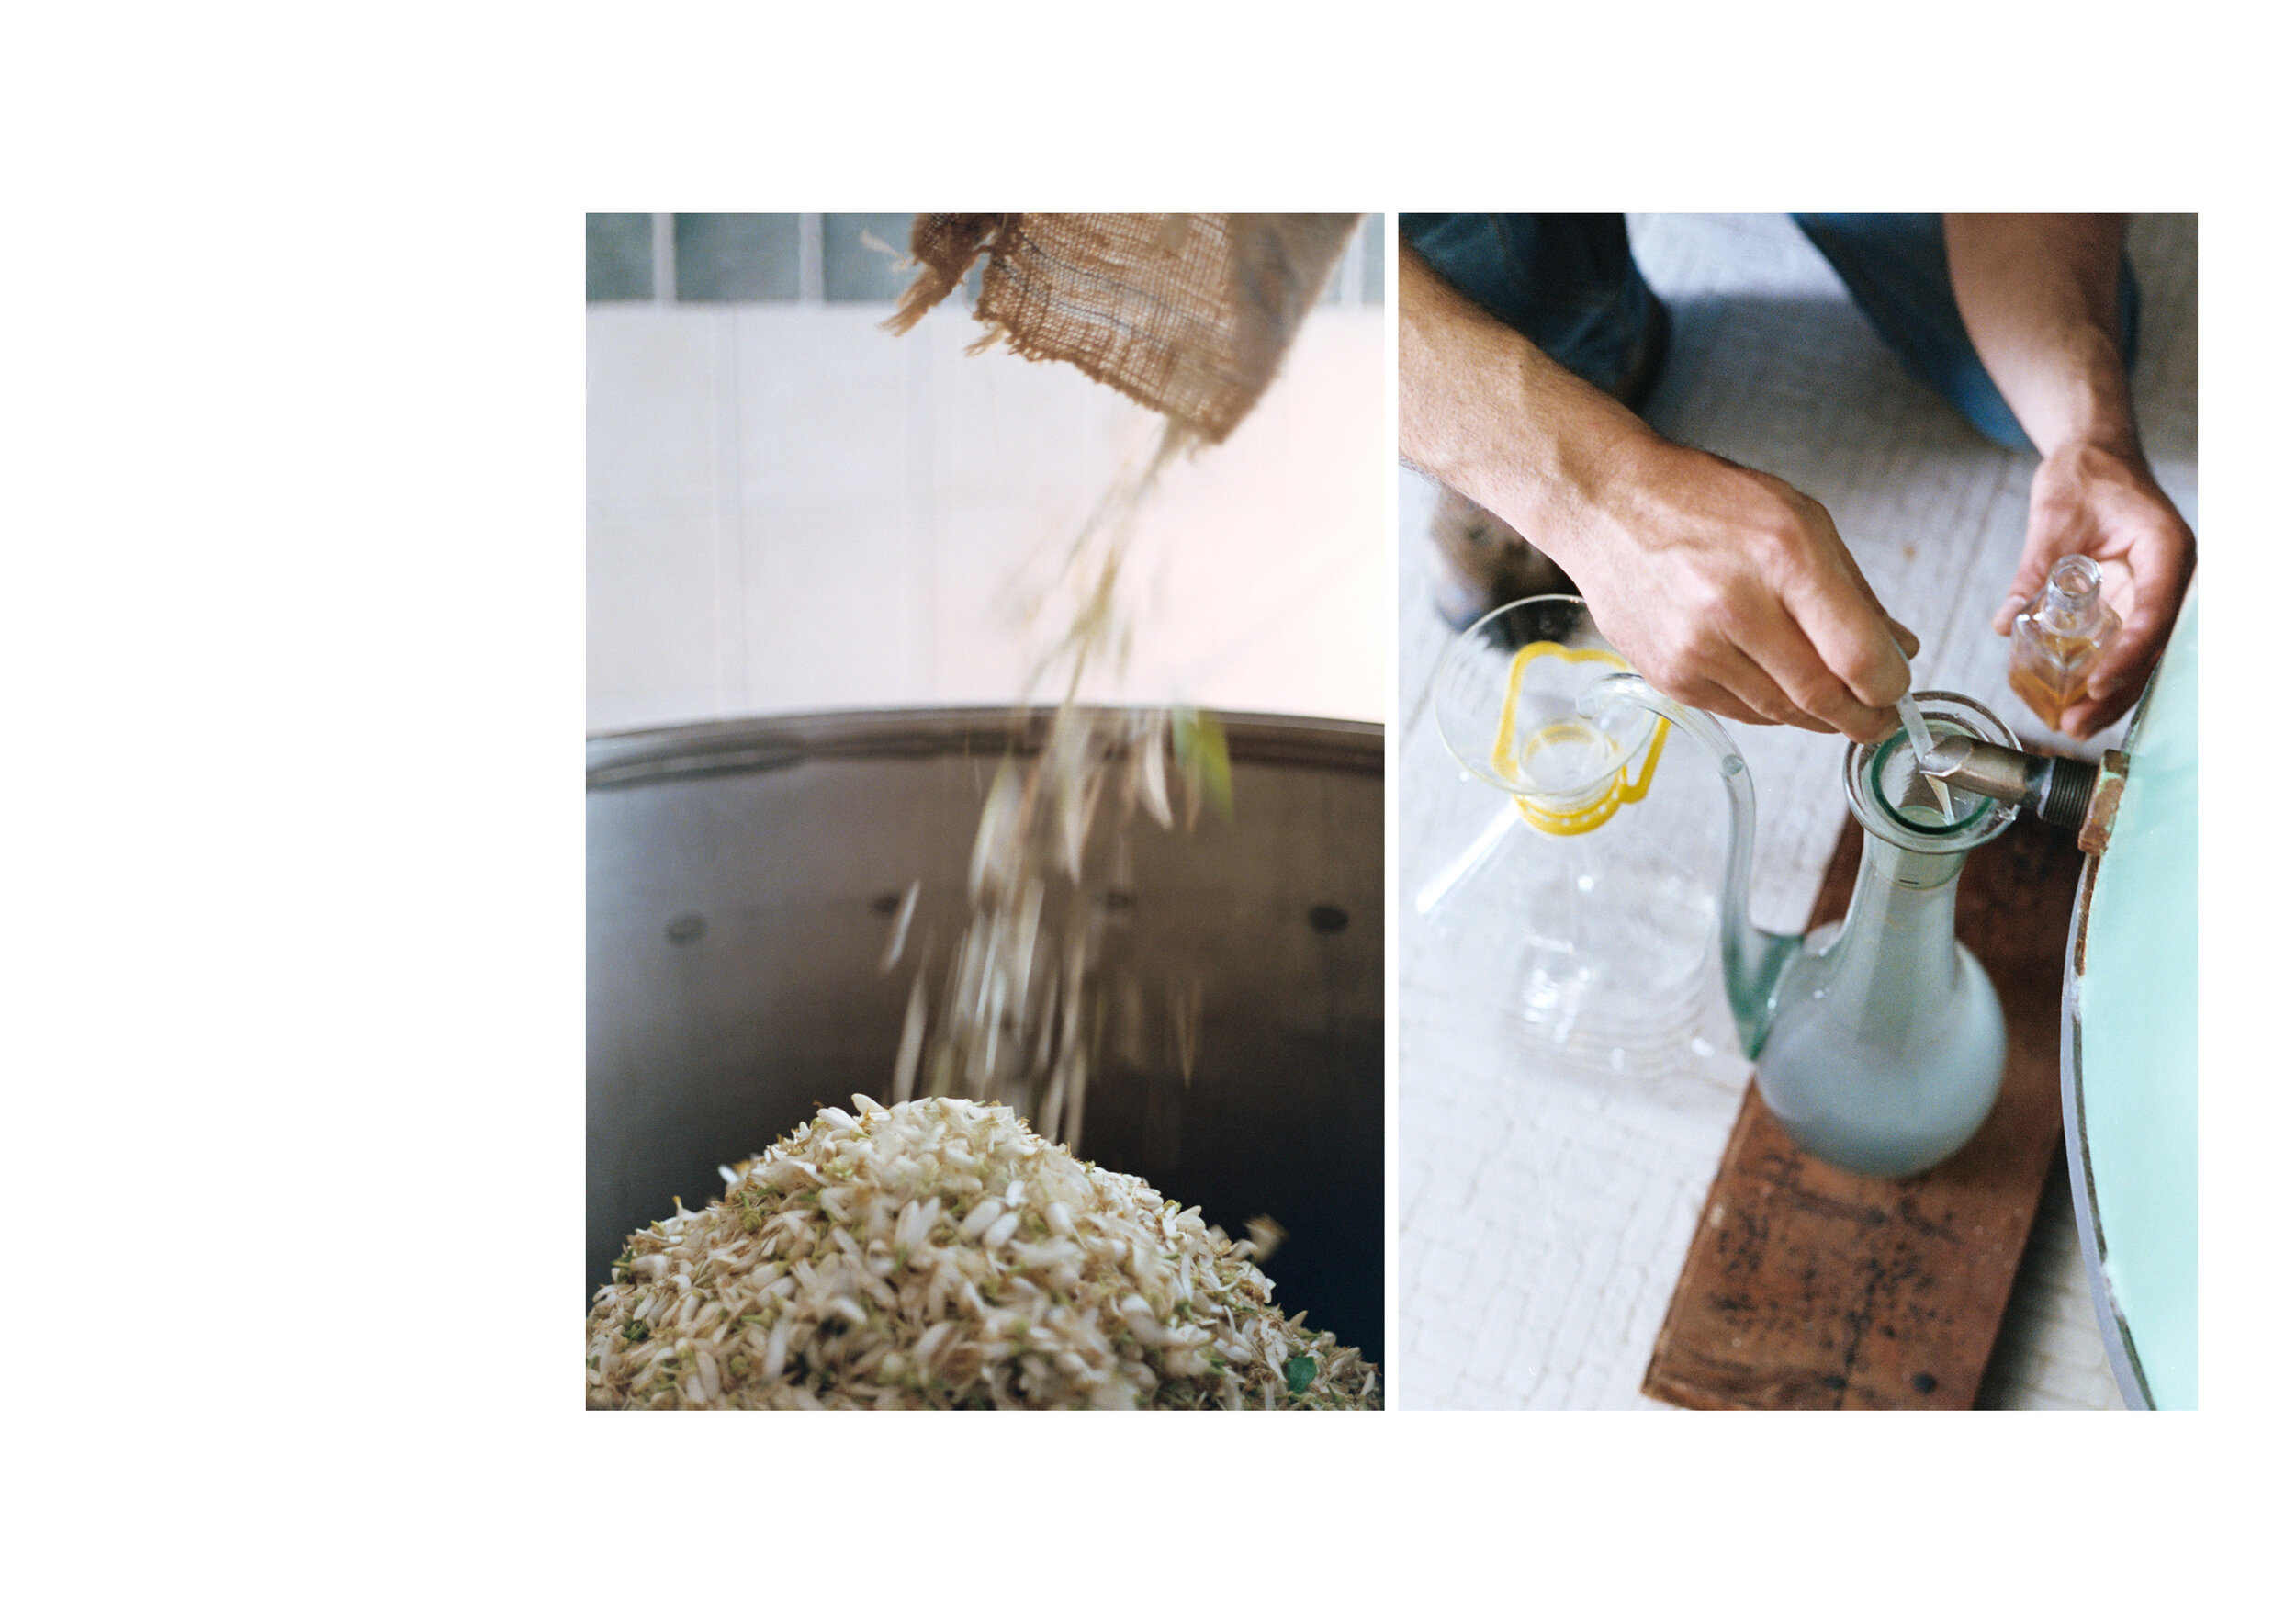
(1731, 591)
(2038, 293)
(2103, 501)
(1728, 589)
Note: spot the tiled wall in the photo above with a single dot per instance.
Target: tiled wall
(790, 509)
(840, 258)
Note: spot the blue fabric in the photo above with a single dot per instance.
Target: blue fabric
(1894, 265)
(1569, 283)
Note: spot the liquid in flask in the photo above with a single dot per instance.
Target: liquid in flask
(2057, 640)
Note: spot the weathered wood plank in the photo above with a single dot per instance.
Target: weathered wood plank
(1807, 1287)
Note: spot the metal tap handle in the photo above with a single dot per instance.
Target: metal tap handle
(2052, 788)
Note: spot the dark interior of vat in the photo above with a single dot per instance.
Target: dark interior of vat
(739, 879)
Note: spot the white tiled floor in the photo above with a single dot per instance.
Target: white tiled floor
(1544, 1215)
(792, 510)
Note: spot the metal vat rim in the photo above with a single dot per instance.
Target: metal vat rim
(758, 744)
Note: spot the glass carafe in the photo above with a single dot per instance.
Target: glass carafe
(1878, 1041)
(1887, 1047)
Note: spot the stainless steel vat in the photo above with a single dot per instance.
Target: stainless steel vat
(741, 880)
(2131, 1046)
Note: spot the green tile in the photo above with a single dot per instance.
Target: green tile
(1330, 296)
(1335, 287)
(726, 258)
(851, 271)
(621, 256)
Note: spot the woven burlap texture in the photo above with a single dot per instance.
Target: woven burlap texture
(1188, 314)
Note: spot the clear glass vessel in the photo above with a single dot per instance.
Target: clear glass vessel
(1588, 901)
(1878, 1041)
(1885, 1046)
(2056, 642)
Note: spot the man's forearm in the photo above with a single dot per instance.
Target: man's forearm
(1726, 588)
(1483, 410)
(2040, 295)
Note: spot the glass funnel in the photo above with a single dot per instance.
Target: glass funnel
(1591, 894)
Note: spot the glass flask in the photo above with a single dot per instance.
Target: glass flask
(2056, 642)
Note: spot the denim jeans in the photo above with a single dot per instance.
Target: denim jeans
(1569, 283)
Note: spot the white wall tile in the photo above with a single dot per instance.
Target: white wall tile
(831, 610)
(987, 558)
(1002, 425)
(656, 412)
(823, 402)
(882, 505)
(652, 605)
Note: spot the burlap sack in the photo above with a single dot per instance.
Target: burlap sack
(1188, 314)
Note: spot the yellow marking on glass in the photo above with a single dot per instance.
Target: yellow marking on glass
(1615, 791)
(1580, 821)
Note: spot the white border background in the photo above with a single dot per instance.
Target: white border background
(294, 622)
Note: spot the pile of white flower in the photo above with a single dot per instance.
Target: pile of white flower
(940, 1255)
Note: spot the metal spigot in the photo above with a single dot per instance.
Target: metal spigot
(2071, 794)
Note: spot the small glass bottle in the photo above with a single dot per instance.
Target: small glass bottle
(2056, 642)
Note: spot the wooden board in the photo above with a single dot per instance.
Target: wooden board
(1810, 1288)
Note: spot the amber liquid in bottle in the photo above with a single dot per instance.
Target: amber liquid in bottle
(2054, 680)
(2058, 639)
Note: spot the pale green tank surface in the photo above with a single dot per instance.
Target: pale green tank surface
(2137, 1004)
